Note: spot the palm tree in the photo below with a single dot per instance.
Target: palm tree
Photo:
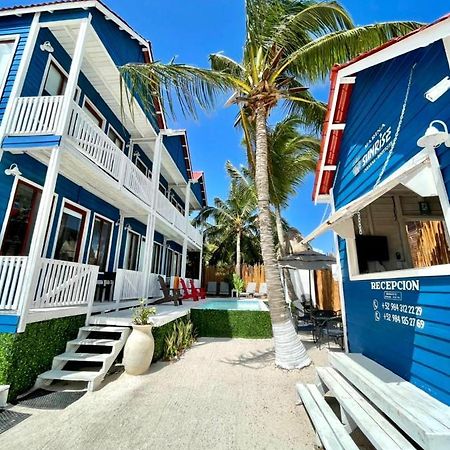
(235, 219)
(288, 45)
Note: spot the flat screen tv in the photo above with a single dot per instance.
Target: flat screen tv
(371, 248)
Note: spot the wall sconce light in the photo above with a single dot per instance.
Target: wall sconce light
(47, 47)
(433, 137)
(438, 90)
(13, 170)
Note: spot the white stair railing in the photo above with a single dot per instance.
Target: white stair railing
(94, 143)
(12, 272)
(35, 115)
(64, 283)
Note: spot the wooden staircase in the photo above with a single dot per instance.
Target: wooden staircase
(88, 358)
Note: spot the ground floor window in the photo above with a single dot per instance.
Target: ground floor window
(132, 251)
(21, 220)
(100, 242)
(71, 233)
(157, 255)
(401, 230)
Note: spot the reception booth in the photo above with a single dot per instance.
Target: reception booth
(385, 170)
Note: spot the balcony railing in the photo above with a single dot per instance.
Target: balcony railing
(41, 116)
(60, 283)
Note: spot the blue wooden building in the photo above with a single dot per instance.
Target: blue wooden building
(384, 169)
(94, 199)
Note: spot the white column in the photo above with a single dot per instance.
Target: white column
(187, 199)
(148, 253)
(200, 268)
(74, 72)
(119, 241)
(21, 73)
(38, 239)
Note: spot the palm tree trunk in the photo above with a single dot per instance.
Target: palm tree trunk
(280, 231)
(238, 255)
(289, 350)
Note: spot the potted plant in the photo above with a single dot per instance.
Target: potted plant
(238, 284)
(139, 348)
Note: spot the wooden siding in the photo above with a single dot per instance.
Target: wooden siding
(8, 26)
(418, 353)
(377, 100)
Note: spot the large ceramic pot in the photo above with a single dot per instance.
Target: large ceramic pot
(139, 348)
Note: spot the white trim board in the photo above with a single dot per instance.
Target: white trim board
(65, 201)
(91, 233)
(15, 38)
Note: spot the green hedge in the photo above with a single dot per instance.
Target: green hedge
(223, 323)
(24, 356)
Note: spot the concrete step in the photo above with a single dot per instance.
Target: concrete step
(89, 357)
(87, 341)
(104, 329)
(69, 375)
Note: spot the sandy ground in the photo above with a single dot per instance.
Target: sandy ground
(223, 394)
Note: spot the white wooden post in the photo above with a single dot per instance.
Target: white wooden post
(119, 241)
(74, 72)
(21, 74)
(37, 241)
(187, 198)
(148, 253)
(200, 268)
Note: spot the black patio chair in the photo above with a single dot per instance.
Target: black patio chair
(169, 295)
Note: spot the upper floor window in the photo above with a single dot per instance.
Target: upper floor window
(93, 113)
(141, 166)
(55, 82)
(115, 137)
(6, 54)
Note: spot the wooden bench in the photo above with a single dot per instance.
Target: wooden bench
(356, 411)
(331, 432)
(420, 416)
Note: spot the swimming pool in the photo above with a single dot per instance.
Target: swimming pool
(233, 305)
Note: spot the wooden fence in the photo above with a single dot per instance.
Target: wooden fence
(248, 273)
(327, 291)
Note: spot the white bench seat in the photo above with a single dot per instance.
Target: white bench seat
(380, 432)
(330, 430)
(420, 416)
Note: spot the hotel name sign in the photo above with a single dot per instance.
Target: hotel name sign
(375, 147)
(391, 308)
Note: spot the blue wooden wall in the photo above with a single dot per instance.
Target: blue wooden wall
(417, 351)
(13, 26)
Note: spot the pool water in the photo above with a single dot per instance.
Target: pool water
(237, 305)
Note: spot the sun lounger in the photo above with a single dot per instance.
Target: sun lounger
(262, 292)
(211, 288)
(249, 291)
(224, 288)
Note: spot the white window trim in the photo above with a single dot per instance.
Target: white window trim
(106, 219)
(9, 207)
(143, 163)
(52, 59)
(65, 202)
(127, 247)
(158, 268)
(86, 99)
(110, 127)
(438, 270)
(15, 38)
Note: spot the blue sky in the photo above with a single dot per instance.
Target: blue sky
(191, 30)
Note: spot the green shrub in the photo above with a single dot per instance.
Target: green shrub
(181, 338)
(24, 356)
(228, 323)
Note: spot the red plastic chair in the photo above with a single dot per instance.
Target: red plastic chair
(200, 292)
(186, 293)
